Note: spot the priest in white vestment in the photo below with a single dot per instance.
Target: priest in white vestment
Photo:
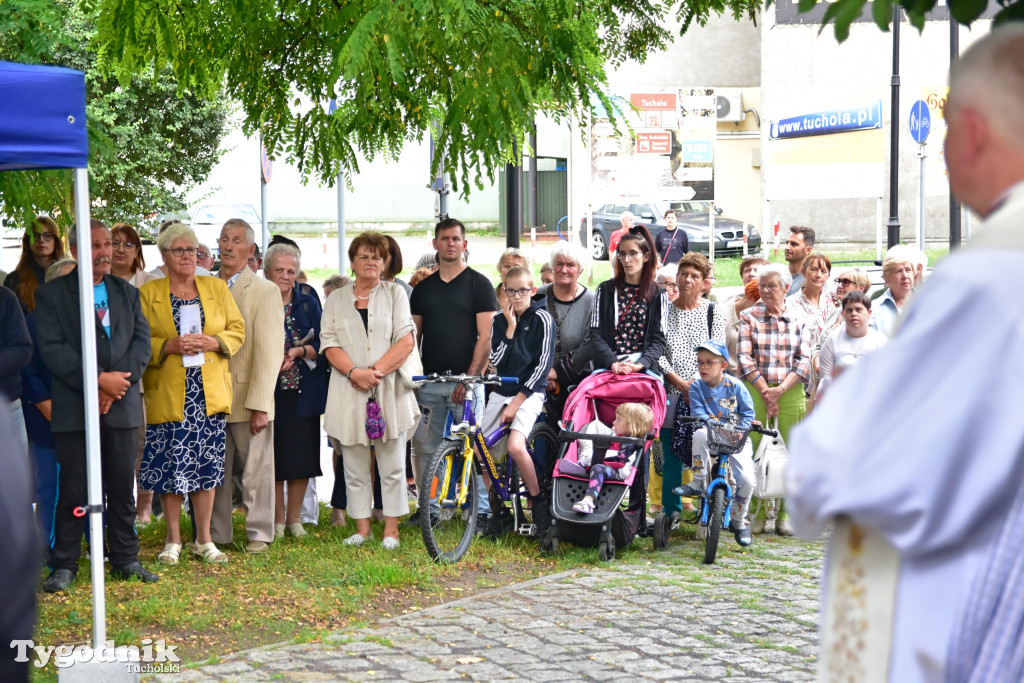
(921, 444)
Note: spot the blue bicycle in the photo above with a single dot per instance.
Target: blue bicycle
(724, 439)
(448, 487)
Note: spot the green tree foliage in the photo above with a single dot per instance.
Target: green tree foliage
(842, 13)
(474, 72)
(150, 142)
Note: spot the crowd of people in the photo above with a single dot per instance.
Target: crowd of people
(213, 387)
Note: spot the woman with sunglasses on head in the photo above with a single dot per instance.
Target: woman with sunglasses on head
(41, 245)
(628, 326)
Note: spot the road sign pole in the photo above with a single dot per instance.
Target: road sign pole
(711, 237)
(920, 200)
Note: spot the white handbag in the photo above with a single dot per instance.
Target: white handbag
(770, 464)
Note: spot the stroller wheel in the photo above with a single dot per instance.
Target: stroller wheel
(549, 542)
(660, 530)
(606, 548)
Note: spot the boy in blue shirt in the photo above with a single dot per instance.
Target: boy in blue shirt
(718, 397)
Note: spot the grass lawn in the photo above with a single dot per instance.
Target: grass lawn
(301, 590)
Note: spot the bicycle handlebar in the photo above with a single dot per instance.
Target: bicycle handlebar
(754, 426)
(602, 440)
(436, 378)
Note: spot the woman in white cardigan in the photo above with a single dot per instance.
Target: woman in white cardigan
(367, 334)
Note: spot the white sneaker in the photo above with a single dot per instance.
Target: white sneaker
(356, 539)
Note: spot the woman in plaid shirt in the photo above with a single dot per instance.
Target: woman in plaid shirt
(774, 351)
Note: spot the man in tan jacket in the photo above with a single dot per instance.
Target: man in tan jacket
(254, 370)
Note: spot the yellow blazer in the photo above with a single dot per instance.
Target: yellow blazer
(164, 379)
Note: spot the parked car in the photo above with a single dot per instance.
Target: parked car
(693, 218)
(208, 219)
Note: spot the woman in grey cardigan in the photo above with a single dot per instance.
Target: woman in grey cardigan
(367, 334)
(571, 304)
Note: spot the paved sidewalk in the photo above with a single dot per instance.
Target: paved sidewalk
(751, 617)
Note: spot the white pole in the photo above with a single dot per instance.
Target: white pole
(878, 229)
(920, 201)
(711, 237)
(263, 215)
(968, 223)
(342, 254)
(86, 306)
(745, 246)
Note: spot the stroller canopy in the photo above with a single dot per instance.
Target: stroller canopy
(603, 392)
(42, 118)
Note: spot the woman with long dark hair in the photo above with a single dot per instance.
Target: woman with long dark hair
(627, 328)
(41, 245)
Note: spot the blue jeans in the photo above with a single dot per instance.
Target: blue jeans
(437, 399)
(46, 490)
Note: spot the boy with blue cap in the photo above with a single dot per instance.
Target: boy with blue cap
(718, 397)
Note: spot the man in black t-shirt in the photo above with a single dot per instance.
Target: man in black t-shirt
(452, 309)
(672, 242)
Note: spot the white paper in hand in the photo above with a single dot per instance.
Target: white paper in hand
(189, 321)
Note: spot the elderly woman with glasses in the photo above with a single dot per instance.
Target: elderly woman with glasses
(367, 332)
(195, 326)
(301, 392)
(775, 361)
(126, 260)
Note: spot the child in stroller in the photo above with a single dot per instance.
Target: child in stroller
(631, 419)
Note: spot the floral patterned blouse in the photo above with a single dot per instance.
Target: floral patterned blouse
(813, 318)
(290, 378)
(631, 318)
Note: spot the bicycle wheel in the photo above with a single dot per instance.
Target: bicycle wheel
(715, 515)
(543, 445)
(448, 523)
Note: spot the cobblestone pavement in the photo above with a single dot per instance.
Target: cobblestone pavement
(649, 616)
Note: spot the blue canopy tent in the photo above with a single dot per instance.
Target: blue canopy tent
(42, 126)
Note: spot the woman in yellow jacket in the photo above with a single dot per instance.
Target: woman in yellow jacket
(196, 327)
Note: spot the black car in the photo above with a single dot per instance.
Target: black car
(693, 218)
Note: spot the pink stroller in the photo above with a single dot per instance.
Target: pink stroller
(610, 525)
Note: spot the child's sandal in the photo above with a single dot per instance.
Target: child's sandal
(584, 506)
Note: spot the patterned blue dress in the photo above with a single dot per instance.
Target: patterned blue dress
(186, 456)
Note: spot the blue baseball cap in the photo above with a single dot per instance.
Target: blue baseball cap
(714, 346)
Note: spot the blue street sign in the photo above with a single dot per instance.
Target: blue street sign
(920, 121)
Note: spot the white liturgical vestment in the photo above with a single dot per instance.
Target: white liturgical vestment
(922, 442)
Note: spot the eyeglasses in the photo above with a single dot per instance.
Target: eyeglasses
(122, 245)
(199, 254)
(45, 236)
(669, 285)
(769, 288)
(708, 363)
(845, 281)
(711, 278)
(183, 251)
(518, 292)
(626, 255)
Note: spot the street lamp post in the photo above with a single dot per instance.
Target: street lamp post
(894, 137)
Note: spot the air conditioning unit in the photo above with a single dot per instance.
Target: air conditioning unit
(730, 105)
